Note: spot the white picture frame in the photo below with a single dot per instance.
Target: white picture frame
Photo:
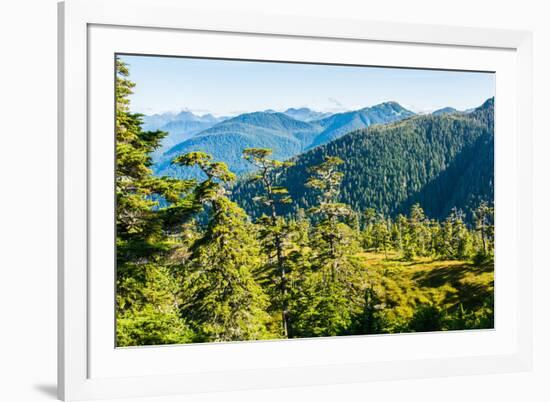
(90, 368)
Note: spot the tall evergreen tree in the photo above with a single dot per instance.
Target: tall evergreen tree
(370, 218)
(326, 179)
(330, 293)
(146, 312)
(222, 298)
(192, 267)
(419, 230)
(484, 224)
(275, 231)
(456, 239)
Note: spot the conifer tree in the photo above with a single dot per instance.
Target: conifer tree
(275, 231)
(222, 298)
(456, 240)
(484, 224)
(146, 312)
(398, 231)
(192, 267)
(325, 178)
(382, 236)
(370, 320)
(330, 293)
(419, 231)
(368, 233)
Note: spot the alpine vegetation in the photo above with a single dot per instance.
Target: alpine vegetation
(301, 223)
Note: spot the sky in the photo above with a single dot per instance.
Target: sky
(231, 87)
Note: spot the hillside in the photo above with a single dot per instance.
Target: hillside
(441, 161)
(428, 294)
(226, 141)
(192, 266)
(305, 114)
(286, 136)
(445, 110)
(179, 126)
(342, 123)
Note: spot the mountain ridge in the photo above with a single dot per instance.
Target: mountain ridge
(440, 161)
(178, 126)
(276, 130)
(445, 110)
(306, 114)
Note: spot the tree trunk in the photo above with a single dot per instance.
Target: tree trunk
(483, 237)
(282, 271)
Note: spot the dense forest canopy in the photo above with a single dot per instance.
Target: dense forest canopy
(440, 161)
(335, 241)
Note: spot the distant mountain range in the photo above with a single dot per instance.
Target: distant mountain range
(445, 110)
(179, 126)
(305, 114)
(287, 133)
(441, 160)
(341, 123)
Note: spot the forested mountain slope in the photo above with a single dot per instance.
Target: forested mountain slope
(178, 126)
(442, 161)
(226, 141)
(286, 136)
(193, 267)
(342, 123)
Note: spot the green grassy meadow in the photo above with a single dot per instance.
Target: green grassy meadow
(443, 289)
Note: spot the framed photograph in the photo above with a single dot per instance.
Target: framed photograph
(255, 201)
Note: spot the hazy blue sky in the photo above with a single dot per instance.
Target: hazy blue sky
(230, 87)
